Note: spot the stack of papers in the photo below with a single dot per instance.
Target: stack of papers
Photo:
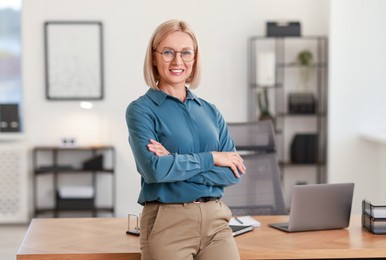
(244, 221)
(378, 212)
(241, 225)
(76, 192)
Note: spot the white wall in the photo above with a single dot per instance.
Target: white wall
(223, 28)
(357, 94)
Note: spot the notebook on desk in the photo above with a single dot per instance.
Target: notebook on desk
(243, 224)
(238, 230)
(319, 207)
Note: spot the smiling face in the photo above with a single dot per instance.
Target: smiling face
(174, 74)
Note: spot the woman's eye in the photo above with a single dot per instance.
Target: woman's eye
(168, 52)
(187, 52)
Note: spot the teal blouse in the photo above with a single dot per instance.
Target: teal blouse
(189, 130)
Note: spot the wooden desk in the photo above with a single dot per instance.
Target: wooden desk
(105, 238)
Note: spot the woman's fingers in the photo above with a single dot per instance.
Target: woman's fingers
(235, 171)
(230, 159)
(239, 163)
(157, 148)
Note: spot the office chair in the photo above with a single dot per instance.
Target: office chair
(254, 136)
(259, 191)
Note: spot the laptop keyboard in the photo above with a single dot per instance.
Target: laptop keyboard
(285, 226)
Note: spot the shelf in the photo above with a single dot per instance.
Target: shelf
(74, 148)
(301, 115)
(70, 170)
(297, 115)
(56, 160)
(297, 65)
(258, 86)
(251, 148)
(289, 164)
(52, 210)
(6, 137)
(304, 37)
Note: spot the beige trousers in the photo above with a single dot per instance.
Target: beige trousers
(187, 231)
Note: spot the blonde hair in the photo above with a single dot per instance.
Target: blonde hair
(150, 70)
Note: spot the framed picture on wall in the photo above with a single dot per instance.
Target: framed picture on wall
(74, 60)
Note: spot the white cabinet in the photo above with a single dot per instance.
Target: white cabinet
(13, 182)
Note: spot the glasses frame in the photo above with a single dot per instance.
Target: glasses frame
(175, 54)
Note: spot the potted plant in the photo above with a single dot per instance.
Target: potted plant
(305, 60)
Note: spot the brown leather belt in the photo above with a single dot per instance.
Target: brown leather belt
(205, 199)
(199, 200)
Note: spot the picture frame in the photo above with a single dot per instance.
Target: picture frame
(74, 60)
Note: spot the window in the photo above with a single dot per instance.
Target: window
(10, 66)
(10, 52)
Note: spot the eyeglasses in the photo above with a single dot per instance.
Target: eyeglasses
(168, 55)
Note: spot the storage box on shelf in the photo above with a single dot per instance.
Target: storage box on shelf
(74, 163)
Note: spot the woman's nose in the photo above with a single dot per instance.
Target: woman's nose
(177, 58)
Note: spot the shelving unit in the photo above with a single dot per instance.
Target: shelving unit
(287, 79)
(73, 166)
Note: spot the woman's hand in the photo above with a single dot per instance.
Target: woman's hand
(230, 159)
(157, 148)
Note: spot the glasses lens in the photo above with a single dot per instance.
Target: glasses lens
(187, 55)
(168, 55)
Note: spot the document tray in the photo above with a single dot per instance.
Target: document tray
(373, 218)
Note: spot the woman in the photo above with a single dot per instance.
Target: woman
(184, 154)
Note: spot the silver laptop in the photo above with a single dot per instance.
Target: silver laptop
(319, 207)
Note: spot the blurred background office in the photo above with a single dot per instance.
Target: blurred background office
(356, 78)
